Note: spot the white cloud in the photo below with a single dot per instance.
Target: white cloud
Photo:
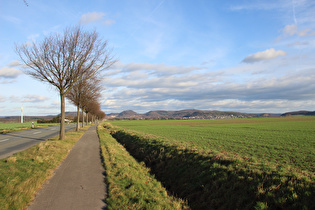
(15, 99)
(155, 68)
(264, 55)
(109, 22)
(55, 104)
(92, 17)
(9, 72)
(291, 30)
(306, 32)
(14, 63)
(35, 98)
(2, 99)
(7, 81)
(95, 17)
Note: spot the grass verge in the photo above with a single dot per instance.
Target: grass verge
(12, 127)
(210, 180)
(23, 173)
(130, 185)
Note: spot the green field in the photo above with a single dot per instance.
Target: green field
(280, 141)
(263, 163)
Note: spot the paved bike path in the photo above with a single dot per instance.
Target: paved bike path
(78, 183)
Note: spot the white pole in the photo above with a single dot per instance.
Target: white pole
(22, 114)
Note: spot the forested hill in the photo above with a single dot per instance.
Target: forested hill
(303, 113)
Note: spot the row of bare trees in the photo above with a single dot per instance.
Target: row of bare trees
(85, 95)
(71, 62)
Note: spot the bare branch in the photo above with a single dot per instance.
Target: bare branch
(25, 2)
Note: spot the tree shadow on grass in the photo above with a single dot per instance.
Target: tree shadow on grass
(212, 182)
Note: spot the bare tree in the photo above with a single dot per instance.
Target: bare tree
(62, 59)
(88, 104)
(94, 109)
(85, 89)
(100, 115)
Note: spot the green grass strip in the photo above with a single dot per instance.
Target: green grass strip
(23, 173)
(130, 185)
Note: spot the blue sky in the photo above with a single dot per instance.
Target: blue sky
(251, 56)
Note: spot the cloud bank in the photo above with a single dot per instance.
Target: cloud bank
(144, 87)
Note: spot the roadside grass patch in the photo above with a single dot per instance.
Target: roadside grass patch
(213, 177)
(130, 185)
(23, 173)
(11, 127)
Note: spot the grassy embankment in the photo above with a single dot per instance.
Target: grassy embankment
(248, 163)
(130, 185)
(11, 127)
(22, 174)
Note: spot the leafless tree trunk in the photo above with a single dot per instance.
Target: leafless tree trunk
(62, 60)
(78, 119)
(83, 111)
(62, 121)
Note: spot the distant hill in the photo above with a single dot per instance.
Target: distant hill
(199, 114)
(162, 114)
(299, 113)
(182, 114)
(128, 114)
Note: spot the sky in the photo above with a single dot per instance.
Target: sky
(254, 56)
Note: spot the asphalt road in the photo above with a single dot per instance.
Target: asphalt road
(11, 143)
